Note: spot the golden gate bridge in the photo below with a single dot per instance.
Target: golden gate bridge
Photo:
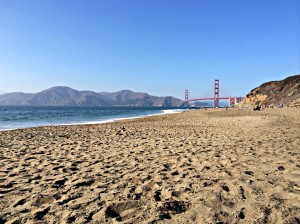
(232, 100)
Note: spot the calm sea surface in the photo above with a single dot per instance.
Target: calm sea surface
(14, 117)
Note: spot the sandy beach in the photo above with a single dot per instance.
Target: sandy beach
(204, 166)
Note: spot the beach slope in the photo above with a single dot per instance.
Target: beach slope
(205, 166)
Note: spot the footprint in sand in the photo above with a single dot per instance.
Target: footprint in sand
(40, 214)
(122, 211)
(20, 202)
(173, 208)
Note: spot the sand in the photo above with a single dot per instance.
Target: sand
(205, 166)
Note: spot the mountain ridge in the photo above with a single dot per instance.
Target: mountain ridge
(67, 96)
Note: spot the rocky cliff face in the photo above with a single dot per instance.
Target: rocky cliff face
(286, 92)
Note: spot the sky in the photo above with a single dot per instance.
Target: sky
(161, 47)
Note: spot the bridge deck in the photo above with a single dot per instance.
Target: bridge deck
(211, 98)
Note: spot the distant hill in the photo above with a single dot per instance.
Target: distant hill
(66, 96)
(130, 98)
(16, 98)
(286, 92)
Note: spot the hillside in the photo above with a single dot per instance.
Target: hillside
(130, 98)
(66, 96)
(16, 98)
(286, 92)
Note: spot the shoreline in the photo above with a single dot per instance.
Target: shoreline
(203, 166)
(109, 120)
(112, 120)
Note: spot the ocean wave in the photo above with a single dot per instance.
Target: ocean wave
(173, 111)
(102, 116)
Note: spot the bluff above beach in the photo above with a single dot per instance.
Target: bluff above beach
(286, 92)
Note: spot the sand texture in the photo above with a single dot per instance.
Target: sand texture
(205, 166)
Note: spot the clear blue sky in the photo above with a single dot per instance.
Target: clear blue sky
(157, 46)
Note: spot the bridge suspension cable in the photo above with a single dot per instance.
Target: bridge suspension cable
(216, 98)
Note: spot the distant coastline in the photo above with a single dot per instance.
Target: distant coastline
(66, 96)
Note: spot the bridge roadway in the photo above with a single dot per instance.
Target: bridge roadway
(211, 98)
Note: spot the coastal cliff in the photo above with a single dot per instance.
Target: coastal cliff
(286, 92)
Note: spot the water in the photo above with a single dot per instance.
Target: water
(14, 117)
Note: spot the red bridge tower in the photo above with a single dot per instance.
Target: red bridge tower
(216, 93)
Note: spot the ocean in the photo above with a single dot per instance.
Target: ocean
(15, 117)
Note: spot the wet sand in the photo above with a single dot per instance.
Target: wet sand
(205, 166)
